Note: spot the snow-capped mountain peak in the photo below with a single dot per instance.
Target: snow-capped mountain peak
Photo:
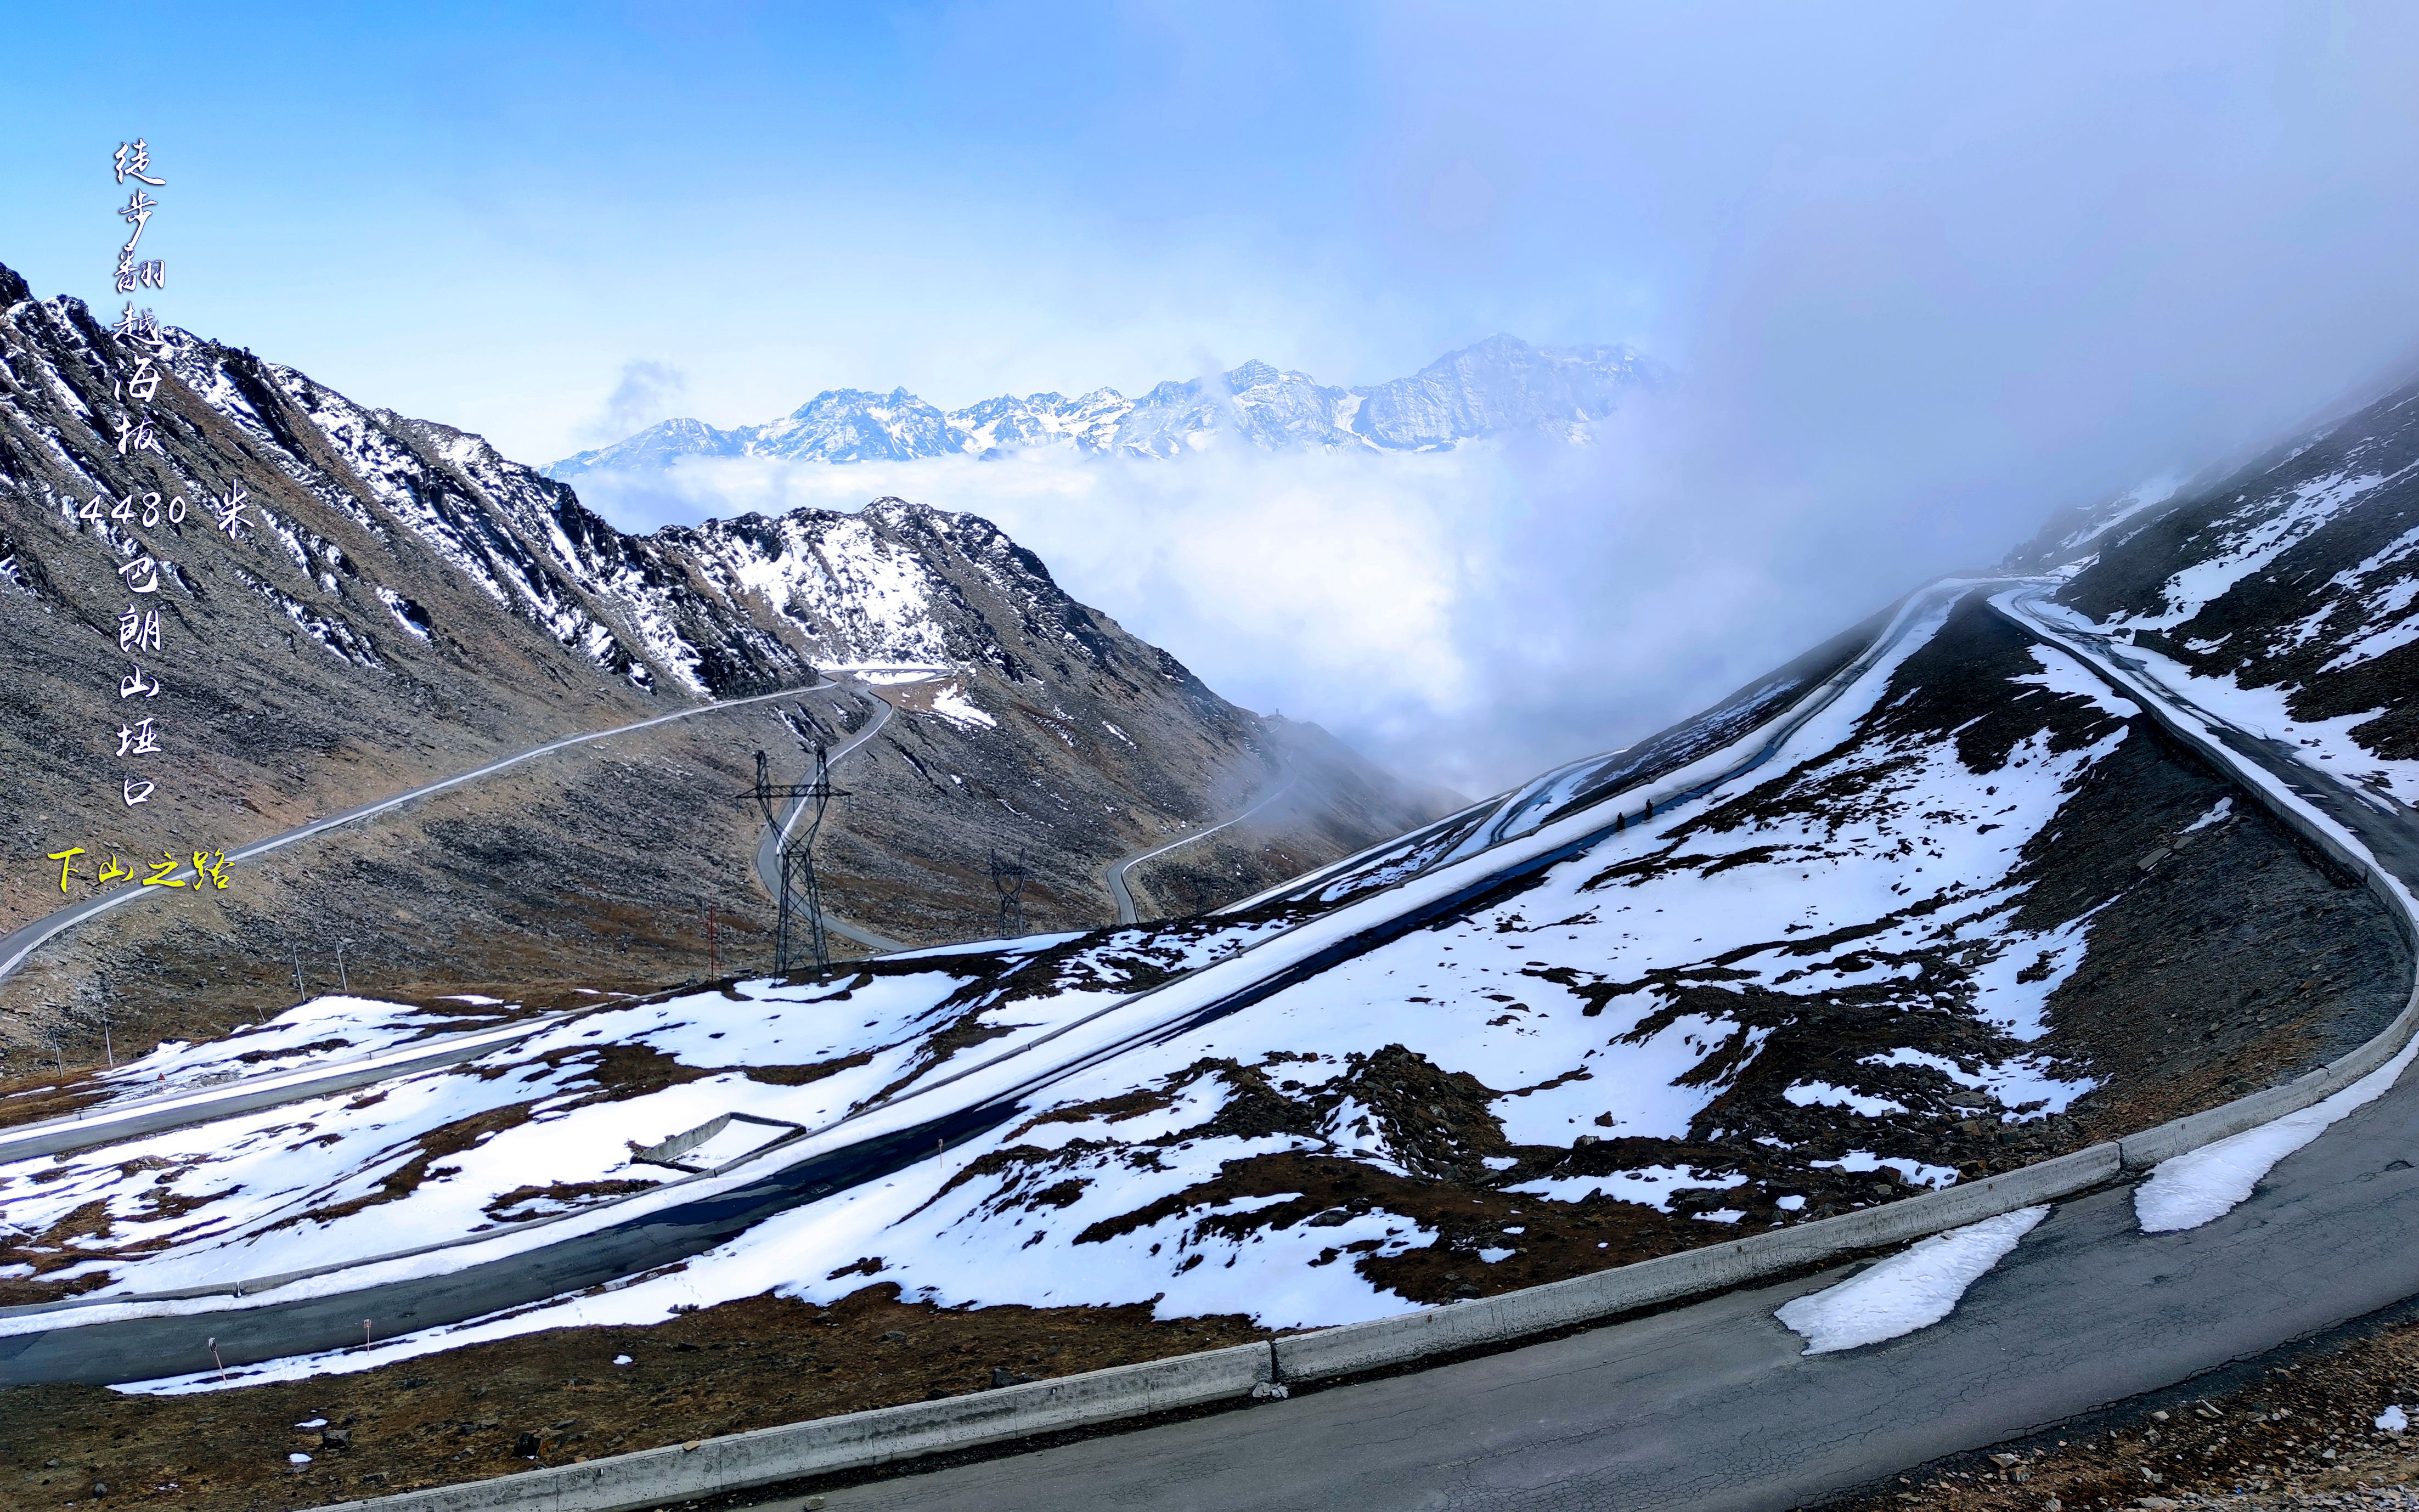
(1499, 384)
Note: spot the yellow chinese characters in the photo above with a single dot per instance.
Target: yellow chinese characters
(67, 864)
(208, 870)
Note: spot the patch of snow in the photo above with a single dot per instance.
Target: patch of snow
(1912, 1290)
(2202, 1186)
(2062, 672)
(2023, 1083)
(1806, 1094)
(952, 704)
(1916, 1172)
(1652, 1185)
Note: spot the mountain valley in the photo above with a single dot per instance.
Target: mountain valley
(399, 604)
(1932, 905)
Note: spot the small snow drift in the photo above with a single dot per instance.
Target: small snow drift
(2203, 1186)
(1914, 1288)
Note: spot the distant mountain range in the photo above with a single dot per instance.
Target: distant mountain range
(1499, 384)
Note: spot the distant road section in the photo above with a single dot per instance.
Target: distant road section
(1114, 875)
(768, 851)
(21, 943)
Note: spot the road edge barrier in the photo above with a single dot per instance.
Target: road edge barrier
(765, 1456)
(1354, 1348)
(855, 1441)
(108, 1124)
(2167, 1140)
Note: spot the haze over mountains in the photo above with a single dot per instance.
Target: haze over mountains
(1498, 385)
(402, 603)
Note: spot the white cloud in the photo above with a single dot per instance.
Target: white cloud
(1467, 616)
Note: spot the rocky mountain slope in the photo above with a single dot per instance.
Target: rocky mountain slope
(2285, 593)
(396, 602)
(1919, 945)
(1499, 384)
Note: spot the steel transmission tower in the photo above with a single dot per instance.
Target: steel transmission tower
(1009, 878)
(797, 892)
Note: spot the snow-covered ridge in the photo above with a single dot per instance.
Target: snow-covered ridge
(1499, 384)
(726, 608)
(2285, 594)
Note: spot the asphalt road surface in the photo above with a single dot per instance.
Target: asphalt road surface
(1713, 1407)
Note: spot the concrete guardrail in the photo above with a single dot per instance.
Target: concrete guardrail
(1354, 1348)
(2172, 1138)
(854, 1440)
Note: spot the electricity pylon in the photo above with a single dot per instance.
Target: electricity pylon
(798, 891)
(1009, 878)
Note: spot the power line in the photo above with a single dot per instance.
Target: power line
(798, 892)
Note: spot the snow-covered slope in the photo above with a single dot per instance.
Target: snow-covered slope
(2285, 594)
(1915, 945)
(1501, 384)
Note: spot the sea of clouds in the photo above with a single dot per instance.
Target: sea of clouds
(1467, 617)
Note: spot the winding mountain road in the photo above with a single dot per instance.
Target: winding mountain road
(19, 943)
(102, 1337)
(128, 1117)
(1713, 1407)
(768, 850)
(1115, 872)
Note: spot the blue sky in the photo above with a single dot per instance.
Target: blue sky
(484, 212)
(487, 210)
(1929, 270)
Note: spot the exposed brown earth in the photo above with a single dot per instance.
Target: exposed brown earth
(554, 1398)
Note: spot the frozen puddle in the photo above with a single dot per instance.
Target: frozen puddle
(1914, 1288)
(2202, 1186)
